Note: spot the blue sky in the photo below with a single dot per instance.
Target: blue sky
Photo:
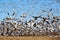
(33, 7)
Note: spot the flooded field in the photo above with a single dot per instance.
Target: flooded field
(28, 38)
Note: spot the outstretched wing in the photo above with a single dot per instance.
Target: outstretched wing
(43, 10)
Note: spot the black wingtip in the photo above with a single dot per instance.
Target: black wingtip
(50, 9)
(13, 14)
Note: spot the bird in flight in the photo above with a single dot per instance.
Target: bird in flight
(36, 17)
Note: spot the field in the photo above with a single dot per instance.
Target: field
(28, 38)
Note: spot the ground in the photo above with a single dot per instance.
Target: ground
(28, 38)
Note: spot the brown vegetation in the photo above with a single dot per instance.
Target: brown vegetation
(28, 38)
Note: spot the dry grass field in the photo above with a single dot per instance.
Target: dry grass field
(28, 38)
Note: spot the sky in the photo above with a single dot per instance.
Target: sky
(32, 7)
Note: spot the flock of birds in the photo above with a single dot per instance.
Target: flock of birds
(47, 26)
